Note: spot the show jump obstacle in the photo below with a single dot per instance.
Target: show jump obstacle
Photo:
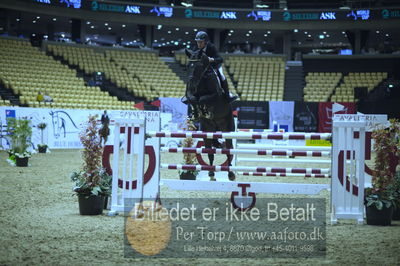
(143, 139)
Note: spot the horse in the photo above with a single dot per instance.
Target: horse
(210, 106)
(104, 131)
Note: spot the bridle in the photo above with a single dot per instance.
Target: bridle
(204, 71)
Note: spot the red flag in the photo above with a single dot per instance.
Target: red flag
(156, 103)
(139, 106)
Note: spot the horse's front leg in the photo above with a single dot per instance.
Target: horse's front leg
(229, 145)
(208, 144)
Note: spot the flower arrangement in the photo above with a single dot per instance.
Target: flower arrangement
(92, 179)
(20, 132)
(387, 149)
(42, 126)
(189, 158)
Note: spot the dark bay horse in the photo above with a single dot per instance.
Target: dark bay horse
(210, 107)
(104, 132)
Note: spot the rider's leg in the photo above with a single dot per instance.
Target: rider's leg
(224, 84)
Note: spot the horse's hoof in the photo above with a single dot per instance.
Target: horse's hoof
(231, 176)
(212, 176)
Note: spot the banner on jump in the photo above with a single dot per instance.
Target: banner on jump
(64, 125)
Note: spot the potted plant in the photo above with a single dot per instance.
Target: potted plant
(381, 198)
(189, 158)
(92, 183)
(42, 147)
(20, 133)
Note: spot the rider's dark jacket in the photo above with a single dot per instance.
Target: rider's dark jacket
(105, 119)
(211, 51)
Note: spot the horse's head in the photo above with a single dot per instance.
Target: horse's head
(197, 65)
(55, 123)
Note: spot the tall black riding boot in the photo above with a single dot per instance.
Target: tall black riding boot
(230, 98)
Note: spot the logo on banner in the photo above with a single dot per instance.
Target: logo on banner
(263, 15)
(162, 10)
(132, 9)
(307, 118)
(176, 115)
(287, 16)
(327, 15)
(74, 3)
(62, 122)
(228, 15)
(281, 116)
(95, 6)
(43, 1)
(10, 113)
(188, 13)
(385, 14)
(363, 14)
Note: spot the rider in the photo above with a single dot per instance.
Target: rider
(216, 60)
(104, 118)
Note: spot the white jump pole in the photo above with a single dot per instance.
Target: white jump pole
(252, 152)
(281, 160)
(256, 187)
(286, 147)
(283, 174)
(219, 168)
(241, 135)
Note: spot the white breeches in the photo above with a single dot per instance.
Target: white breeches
(221, 72)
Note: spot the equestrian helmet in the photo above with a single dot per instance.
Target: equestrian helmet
(201, 36)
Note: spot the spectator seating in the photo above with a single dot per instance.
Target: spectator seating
(259, 78)
(27, 70)
(161, 81)
(345, 91)
(320, 86)
(336, 87)
(90, 61)
(141, 72)
(4, 102)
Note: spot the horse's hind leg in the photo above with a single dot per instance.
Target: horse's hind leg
(208, 144)
(229, 145)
